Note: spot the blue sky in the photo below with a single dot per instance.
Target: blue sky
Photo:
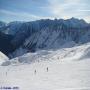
(29, 10)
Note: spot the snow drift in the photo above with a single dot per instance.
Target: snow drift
(3, 58)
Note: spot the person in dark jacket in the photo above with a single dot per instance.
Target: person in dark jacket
(35, 71)
(47, 69)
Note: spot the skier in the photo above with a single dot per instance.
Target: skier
(47, 69)
(6, 73)
(35, 71)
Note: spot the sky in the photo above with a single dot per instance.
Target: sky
(30, 10)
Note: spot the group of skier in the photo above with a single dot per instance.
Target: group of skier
(36, 71)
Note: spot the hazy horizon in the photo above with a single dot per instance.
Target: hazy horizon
(42, 19)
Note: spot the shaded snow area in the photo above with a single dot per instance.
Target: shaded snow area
(62, 69)
(3, 58)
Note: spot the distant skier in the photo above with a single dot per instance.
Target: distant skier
(35, 71)
(47, 69)
(6, 73)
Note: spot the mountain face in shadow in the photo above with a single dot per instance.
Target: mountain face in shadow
(5, 45)
(44, 34)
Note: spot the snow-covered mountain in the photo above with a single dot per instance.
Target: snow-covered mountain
(11, 28)
(55, 56)
(46, 34)
(50, 34)
(68, 69)
(77, 52)
(2, 24)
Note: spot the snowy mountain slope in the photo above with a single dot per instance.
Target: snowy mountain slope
(49, 34)
(53, 39)
(2, 24)
(10, 28)
(44, 34)
(66, 70)
(21, 51)
(61, 60)
(76, 52)
(3, 58)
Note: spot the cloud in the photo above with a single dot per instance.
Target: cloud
(85, 10)
(52, 9)
(59, 8)
(20, 14)
(67, 8)
(23, 15)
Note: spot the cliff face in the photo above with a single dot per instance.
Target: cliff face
(50, 34)
(47, 34)
(5, 43)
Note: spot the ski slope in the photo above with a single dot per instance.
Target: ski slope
(68, 69)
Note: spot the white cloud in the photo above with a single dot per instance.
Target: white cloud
(23, 15)
(59, 8)
(73, 2)
(67, 8)
(19, 14)
(56, 9)
(84, 10)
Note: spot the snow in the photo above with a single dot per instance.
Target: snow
(18, 52)
(47, 34)
(66, 70)
(3, 58)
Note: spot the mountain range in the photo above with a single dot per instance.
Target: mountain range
(17, 38)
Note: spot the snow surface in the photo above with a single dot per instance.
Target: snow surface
(3, 58)
(66, 70)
